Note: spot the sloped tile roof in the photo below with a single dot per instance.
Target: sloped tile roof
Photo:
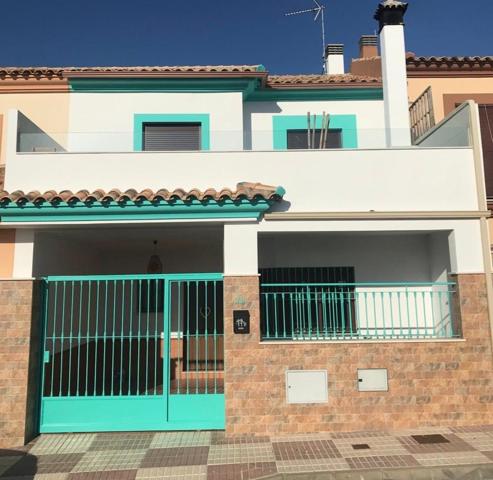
(280, 81)
(61, 72)
(444, 61)
(303, 80)
(244, 190)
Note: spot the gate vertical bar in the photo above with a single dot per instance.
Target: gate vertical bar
(130, 337)
(46, 300)
(166, 344)
(156, 338)
(87, 332)
(206, 349)
(96, 341)
(69, 390)
(62, 337)
(121, 336)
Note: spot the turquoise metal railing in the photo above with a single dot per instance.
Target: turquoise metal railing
(138, 335)
(357, 311)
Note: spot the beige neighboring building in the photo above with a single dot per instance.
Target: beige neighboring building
(41, 95)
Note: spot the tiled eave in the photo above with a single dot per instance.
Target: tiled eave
(60, 78)
(249, 200)
(449, 66)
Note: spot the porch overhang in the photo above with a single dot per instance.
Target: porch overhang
(248, 201)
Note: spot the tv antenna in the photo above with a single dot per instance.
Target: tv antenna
(318, 11)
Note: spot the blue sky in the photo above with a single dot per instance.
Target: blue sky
(178, 32)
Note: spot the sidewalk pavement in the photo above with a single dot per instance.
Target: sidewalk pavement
(211, 455)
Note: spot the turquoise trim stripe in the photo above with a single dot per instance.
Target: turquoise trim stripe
(133, 211)
(250, 88)
(282, 123)
(164, 85)
(141, 118)
(306, 94)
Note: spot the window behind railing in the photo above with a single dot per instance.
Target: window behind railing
(171, 136)
(287, 313)
(357, 311)
(298, 139)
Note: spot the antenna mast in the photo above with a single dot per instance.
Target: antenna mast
(318, 10)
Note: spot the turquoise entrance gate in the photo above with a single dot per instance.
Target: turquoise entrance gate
(132, 352)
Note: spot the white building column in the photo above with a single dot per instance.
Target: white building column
(23, 254)
(240, 250)
(390, 15)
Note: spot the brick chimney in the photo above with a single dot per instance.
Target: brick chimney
(390, 16)
(368, 46)
(334, 59)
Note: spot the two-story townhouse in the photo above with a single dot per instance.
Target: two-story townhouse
(221, 248)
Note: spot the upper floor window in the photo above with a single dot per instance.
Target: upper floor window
(298, 139)
(169, 136)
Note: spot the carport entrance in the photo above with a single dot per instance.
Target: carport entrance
(132, 352)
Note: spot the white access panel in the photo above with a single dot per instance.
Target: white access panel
(307, 386)
(373, 380)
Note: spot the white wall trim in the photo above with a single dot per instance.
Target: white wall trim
(23, 254)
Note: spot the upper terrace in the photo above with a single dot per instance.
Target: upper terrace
(436, 174)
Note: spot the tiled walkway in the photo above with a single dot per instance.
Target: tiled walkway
(209, 455)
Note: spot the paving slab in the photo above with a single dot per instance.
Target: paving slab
(456, 453)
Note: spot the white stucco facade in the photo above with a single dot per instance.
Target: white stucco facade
(370, 119)
(335, 180)
(100, 122)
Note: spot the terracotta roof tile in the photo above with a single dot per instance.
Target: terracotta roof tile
(61, 72)
(246, 190)
(289, 80)
(453, 63)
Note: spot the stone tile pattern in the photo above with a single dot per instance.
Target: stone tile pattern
(134, 455)
(19, 353)
(430, 383)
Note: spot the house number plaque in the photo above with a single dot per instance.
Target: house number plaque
(241, 321)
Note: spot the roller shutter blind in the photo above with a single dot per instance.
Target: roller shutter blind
(486, 122)
(171, 136)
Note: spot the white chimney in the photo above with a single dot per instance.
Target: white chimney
(390, 15)
(334, 59)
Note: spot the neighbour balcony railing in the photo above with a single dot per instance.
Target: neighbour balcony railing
(422, 115)
(357, 311)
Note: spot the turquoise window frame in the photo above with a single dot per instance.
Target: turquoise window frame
(202, 118)
(282, 123)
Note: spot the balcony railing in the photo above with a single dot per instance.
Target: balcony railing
(357, 311)
(422, 115)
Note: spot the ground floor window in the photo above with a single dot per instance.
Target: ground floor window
(301, 302)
